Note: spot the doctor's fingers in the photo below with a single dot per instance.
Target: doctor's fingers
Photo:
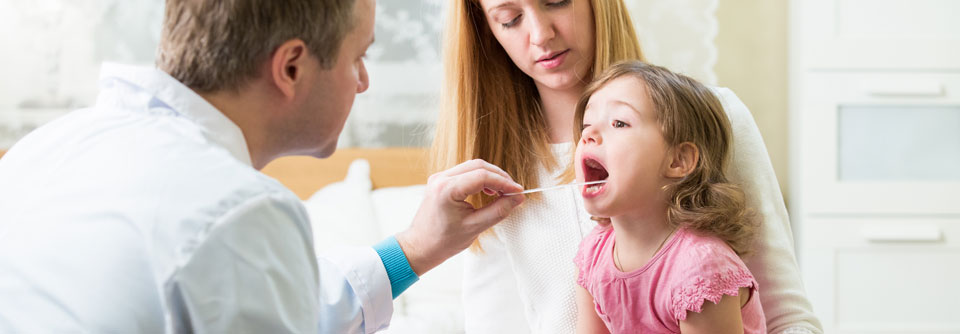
(461, 186)
(487, 216)
(469, 166)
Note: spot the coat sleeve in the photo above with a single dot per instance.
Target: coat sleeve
(255, 271)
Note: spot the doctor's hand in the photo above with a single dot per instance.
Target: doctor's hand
(446, 224)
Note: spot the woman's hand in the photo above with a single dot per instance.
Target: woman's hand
(446, 224)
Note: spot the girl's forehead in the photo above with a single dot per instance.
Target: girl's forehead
(625, 90)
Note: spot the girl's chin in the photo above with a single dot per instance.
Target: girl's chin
(596, 210)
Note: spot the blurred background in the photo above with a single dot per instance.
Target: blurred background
(858, 102)
(55, 47)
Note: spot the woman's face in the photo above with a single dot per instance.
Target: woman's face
(552, 41)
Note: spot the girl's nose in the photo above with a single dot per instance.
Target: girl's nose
(591, 136)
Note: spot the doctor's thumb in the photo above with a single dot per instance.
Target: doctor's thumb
(495, 212)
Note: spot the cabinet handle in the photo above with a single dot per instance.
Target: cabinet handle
(902, 234)
(905, 89)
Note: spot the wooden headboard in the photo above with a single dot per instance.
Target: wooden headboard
(389, 167)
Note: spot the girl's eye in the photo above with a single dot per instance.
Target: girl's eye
(560, 3)
(512, 23)
(620, 124)
(584, 127)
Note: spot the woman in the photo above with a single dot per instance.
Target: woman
(514, 70)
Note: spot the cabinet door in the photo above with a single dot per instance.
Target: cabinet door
(880, 34)
(883, 275)
(880, 143)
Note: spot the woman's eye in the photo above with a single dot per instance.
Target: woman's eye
(584, 127)
(620, 124)
(560, 3)
(511, 23)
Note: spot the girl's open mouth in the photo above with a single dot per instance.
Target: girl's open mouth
(593, 170)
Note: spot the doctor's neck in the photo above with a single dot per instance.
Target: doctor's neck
(251, 110)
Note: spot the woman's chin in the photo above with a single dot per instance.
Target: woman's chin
(560, 81)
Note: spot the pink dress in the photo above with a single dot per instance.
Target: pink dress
(689, 269)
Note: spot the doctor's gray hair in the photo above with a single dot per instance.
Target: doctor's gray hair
(213, 45)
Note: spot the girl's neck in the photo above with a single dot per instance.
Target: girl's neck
(558, 109)
(639, 236)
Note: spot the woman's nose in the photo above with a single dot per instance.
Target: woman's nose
(542, 30)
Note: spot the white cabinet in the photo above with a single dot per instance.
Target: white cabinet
(884, 275)
(880, 34)
(875, 162)
(880, 143)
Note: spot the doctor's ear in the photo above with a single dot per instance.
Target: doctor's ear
(684, 158)
(287, 66)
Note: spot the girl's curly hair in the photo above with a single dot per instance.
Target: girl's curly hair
(688, 111)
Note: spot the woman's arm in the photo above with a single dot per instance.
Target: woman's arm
(588, 322)
(723, 317)
(772, 261)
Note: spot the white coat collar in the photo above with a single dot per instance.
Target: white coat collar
(215, 125)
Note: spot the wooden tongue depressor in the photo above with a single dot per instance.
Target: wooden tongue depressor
(555, 187)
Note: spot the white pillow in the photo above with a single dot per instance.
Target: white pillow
(433, 304)
(342, 213)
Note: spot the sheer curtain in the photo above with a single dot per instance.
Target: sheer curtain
(55, 47)
(53, 50)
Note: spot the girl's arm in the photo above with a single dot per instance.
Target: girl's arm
(723, 317)
(588, 322)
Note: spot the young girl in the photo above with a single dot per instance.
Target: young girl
(668, 261)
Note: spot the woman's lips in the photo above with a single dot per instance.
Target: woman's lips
(554, 61)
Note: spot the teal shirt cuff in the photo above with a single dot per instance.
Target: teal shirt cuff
(398, 268)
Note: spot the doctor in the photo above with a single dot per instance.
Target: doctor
(147, 212)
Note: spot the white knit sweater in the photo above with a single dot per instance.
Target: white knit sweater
(524, 280)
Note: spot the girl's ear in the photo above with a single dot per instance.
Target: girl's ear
(684, 160)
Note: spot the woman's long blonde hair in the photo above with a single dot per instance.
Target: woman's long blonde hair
(490, 109)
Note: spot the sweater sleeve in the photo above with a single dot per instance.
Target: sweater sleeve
(491, 299)
(773, 261)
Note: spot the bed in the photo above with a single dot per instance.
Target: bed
(390, 167)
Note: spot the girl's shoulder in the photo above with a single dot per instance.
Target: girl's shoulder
(703, 267)
(696, 248)
(591, 248)
(592, 244)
